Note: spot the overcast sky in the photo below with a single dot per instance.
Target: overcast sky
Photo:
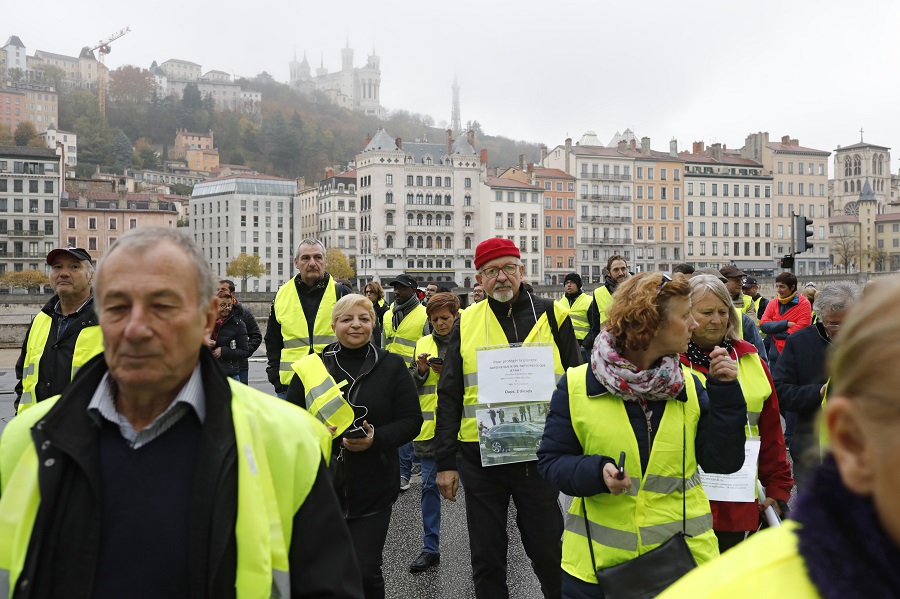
(711, 70)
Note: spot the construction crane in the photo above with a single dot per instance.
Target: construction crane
(103, 48)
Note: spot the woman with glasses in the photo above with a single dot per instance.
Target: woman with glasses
(375, 293)
(634, 400)
(386, 415)
(717, 325)
(843, 539)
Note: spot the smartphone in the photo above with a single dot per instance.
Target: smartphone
(354, 433)
(436, 361)
(621, 466)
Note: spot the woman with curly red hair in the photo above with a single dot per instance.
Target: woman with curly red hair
(634, 400)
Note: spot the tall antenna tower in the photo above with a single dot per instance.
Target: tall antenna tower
(455, 123)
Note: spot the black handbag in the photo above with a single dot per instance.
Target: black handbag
(651, 573)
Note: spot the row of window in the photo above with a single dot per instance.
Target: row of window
(803, 168)
(428, 220)
(757, 249)
(663, 173)
(548, 222)
(736, 188)
(570, 185)
(758, 210)
(112, 223)
(663, 212)
(522, 195)
(18, 226)
(18, 205)
(560, 203)
(511, 220)
(34, 186)
(548, 242)
(736, 227)
(800, 189)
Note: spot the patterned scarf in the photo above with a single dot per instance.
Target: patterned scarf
(620, 377)
(700, 357)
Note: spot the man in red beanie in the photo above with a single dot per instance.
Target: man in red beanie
(514, 319)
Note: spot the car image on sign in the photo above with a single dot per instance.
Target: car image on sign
(513, 435)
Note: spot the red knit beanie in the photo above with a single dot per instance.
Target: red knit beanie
(494, 247)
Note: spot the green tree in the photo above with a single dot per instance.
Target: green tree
(25, 132)
(131, 84)
(53, 75)
(25, 279)
(245, 266)
(123, 152)
(338, 264)
(191, 99)
(180, 189)
(77, 105)
(94, 140)
(6, 138)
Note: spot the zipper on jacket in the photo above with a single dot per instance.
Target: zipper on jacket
(512, 318)
(649, 429)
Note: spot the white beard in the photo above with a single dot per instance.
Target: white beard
(503, 295)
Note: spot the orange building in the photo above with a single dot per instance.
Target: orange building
(559, 222)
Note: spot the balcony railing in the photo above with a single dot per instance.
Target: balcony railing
(22, 255)
(605, 176)
(607, 240)
(26, 233)
(604, 219)
(605, 197)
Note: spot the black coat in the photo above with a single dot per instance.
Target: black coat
(235, 344)
(55, 368)
(65, 543)
(371, 478)
(253, 333)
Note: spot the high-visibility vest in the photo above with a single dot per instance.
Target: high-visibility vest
(324, 399)
(276, 441)
(478, 327)
(749, 308)
(625, 526)
(771, 555)
(295, 330)
(603, 298)
(578, 314)
(740, 319)
(755, 386)
(428, 390)
(403, 340)
(88, 345)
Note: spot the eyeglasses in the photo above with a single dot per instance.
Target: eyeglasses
(492, 272)
(666, 279)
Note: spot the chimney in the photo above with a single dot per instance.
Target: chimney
(673, 148)
(399, 142)
(698, 147)
(623, 145)
(470, 136)
(530, 168)
(368, 140)
(715, 152)
(484, 158)
(786, 140)
(449, 141)
(329, 173)
(543, 153)
(154, 199)
(645, 146)
(634, 144)
(568, 152)
(522, 162)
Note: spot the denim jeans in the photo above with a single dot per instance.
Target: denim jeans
(244, 376)
(406, 460)
(431, 508)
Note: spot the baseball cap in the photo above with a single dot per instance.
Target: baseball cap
(750, 281)
(79, 253)
(405, 280)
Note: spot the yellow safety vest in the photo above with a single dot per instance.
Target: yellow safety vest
(603, 298)
(754, 385)
(324, 399)
(772, 555)
(428, 390)
(749, 308)
(578, 314)
(628, 525)
(740, 328)
(88, 345)
(403, 341)
(276, 441)
(472, 335)
(295, 330)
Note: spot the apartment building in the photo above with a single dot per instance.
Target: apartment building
(67, 141)
(337, 211)
(246, 214)
(514, 209)
(658, 190)
(559, 222)
(728, 212)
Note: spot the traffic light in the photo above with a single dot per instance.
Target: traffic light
(803, 232)
(787, 262)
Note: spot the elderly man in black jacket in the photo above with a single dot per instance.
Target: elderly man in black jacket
(488, 489)
(800, 376)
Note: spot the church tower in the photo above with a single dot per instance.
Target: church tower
(455, 123)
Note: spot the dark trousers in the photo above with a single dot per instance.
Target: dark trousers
(575, 588)
(369, 534)
(539, 519)
(728, 539)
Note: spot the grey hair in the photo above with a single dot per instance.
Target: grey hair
(703, 284)
(146, 238)
(836, 297)
(309, 241)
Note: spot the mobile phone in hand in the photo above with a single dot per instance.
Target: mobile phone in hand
(621, 466)
(355, 433)
(435, 361)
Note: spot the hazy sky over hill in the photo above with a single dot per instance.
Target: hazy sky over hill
(710, 70)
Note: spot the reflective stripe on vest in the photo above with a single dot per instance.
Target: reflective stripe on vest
(472, 335)
(324, 399)
(296, 340)
(275, 441)
(428, 390)
(625, 526)
(578, 314)
(88, 344)
(403, 341)
(603, 298)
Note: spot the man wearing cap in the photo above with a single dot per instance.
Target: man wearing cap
(750, 287)
(64, 335)
(616, 272)
(509, 316)
(577, 302)
(300, 319)
(734, 281)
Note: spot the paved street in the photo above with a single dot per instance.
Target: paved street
(452, 578)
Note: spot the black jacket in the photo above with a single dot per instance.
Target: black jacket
(369, 481)
(594, 314)
(451, 386)
(719, 444)
(253, 333)
(65, 543)
(235, 344)
(55, 369)
(310, 298)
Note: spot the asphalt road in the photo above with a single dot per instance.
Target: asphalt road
(451, 578)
